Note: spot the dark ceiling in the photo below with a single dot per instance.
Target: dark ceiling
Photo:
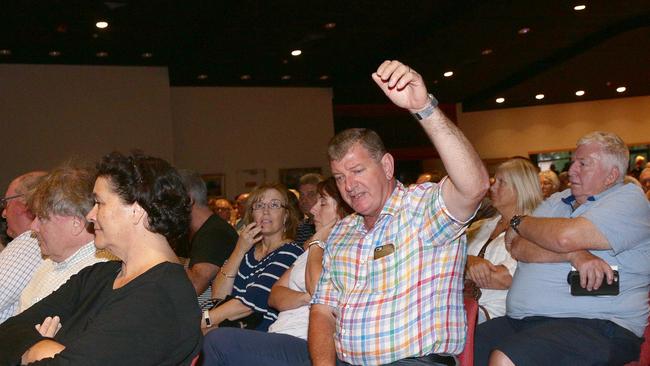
(248, 43)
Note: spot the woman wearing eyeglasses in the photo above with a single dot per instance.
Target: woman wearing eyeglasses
(264, 251)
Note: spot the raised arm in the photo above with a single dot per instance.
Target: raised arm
(468, 176)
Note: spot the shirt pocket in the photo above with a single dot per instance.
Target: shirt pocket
(384, 274)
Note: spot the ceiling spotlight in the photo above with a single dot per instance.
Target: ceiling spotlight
(54, 53)
(296, 53)
(487, 51)
(101, 24)
(101, 54)
(245, 77)
(500, 100)
(330, 25)
(202, 76)
(147, 55)
(5, 52)
(580, 93)
(448, 74)
(539, 96)
(523, 30)
(324, 77)
(579, 7)
(286, 77)
(621, 89)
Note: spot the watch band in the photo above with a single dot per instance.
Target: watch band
(206, 317)
(515, 222)
(428, 110)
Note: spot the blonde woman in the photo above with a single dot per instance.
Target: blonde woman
(515, 191)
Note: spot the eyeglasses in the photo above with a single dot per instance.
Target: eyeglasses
(3, 201)
(271, 205)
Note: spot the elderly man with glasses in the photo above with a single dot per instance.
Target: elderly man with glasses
(21, 257)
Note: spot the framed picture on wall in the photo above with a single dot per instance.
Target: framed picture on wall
(216, 184)
(291, 177)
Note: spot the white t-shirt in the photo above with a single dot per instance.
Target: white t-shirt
(477, 235)
(294, 322)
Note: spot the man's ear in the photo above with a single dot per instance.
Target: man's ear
(613, 176)
(388, 165)
(78, 225)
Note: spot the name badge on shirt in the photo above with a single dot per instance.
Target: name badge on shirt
(384, 250)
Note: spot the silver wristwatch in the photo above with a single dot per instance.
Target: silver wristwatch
(428, 110)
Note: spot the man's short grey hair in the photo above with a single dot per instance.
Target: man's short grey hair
(195, 186)
(310, 178)
(615, 152)
(344, 140)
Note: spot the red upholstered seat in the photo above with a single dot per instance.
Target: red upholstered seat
(471, 308)
(644, 358)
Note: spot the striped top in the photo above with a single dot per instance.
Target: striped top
(255, 279)
(404, 304)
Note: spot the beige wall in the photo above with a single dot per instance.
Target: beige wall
(49, 113)
(225, 130)
(518, 131)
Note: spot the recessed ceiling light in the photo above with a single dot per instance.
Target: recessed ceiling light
(101, 24)
(500, 100)
(330, 25)
(539, 96)
(5, 52)
(286, 77)
(324, 77)
(487, 51)
(523, 30)
(448, 74)
(245, 77)
(101, 54)
(580, 93)
(202, 76)
(147, 55)
(296, 53)
(579, 7)
(621, 89)
(54, 53)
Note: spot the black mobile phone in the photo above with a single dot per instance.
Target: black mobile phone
(605, 289)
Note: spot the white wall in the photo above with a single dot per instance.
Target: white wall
(517, 131)
(49, 113)
(225, 130)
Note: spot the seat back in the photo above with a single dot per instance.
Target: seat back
(471, 309)
(644, 357)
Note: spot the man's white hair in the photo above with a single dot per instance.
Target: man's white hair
(614, 151)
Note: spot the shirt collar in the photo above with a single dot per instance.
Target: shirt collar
(82, 252)
(571, 199)
(391, 207)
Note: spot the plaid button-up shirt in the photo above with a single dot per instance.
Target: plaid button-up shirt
(405, 304)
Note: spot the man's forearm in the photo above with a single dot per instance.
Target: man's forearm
(459, 157)
(526, 251)
(320, 339)
(562, 235)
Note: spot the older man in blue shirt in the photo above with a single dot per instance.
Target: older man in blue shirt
(598, 224)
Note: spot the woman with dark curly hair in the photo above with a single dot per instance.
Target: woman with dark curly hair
(140, 311)
(265, 250)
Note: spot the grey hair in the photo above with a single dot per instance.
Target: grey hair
(195, 186)
(344, 140)
(614, 151)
